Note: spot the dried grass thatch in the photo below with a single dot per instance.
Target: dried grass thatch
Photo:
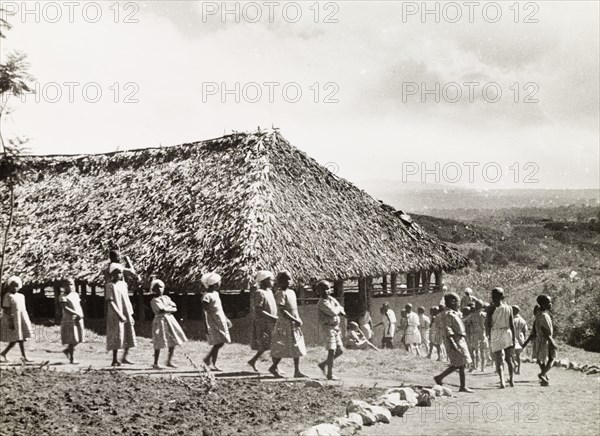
(234, 204)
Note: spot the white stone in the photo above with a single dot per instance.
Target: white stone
(322, 430)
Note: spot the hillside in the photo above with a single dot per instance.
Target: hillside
(529, 255)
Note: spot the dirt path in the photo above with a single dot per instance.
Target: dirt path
(570, 405)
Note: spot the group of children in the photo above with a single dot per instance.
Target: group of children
(466, 334)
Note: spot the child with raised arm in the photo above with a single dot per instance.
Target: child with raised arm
(330, 311)
(120, 331)
(456, 344)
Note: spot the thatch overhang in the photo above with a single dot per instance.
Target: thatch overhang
(236, 204)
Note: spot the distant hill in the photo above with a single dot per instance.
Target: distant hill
(433, 199)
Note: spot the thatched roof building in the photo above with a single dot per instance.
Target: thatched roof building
(235, 204)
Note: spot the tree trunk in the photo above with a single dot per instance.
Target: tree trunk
(5, 242)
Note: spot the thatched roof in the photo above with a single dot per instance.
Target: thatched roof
(235, 204)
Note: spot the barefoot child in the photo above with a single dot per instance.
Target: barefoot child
(521, 334)
(501, 333)
(217, 324)
(265, 315)
(15, 326)
(435, 338)
(456, 344)
(544, 339)
(479, 345)
(166, 331)
(412, 335)
(330, 311)
(120, 333)
(288, 340)
(71, 325)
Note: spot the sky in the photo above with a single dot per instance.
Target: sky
(497, 95)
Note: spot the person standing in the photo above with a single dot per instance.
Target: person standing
(545, 345)
(330, 311)
(264, 311)
(501, 333)
(479, 344)
(412, 335)
(15, 326)
(217, 324)
(424, 326)
(287, 340)
(120, 331)
(389, 325)
(166, 331)
(456, 344)
(72, 330)
(521, 333)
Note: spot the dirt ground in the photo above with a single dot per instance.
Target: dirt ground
(91, 398)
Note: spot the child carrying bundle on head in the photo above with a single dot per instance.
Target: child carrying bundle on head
(166, 331)
(454, 339)
(217, 324)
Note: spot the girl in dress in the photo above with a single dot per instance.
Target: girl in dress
(71, 325)
(501, 333)
(166, 332)
(217, 324)
(264, 310)
(15, 326)
(288, 340)
(412, 335)
(454, 338)
(120, 333)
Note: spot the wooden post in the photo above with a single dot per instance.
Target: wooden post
(384, 282)
(83, 297)
(141, 311)
(183, 310)
(425, 279)
(438, 279)
(57, 308)
(394, 280)
(338, 291)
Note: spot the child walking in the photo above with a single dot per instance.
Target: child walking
(389, 326)
(501, 332)
(217, 324)
(288, 340)
(166, 331)
(330, 311)
(264, 310)
(15, 327)
(545, 346)
(71, 325)
(521, 333)
(456, 344)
